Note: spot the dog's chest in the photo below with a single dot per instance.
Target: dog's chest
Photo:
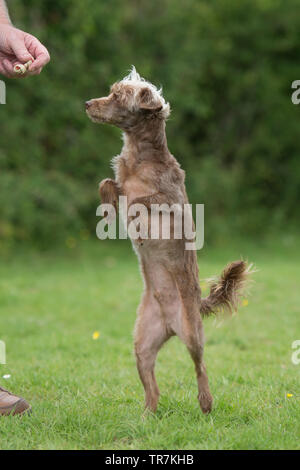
(134, 179)
(134, 187)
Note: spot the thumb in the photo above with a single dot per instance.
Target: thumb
(20, 50)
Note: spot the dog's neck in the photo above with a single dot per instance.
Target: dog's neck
(147, 140)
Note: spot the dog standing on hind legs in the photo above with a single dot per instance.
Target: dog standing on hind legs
(148, 174)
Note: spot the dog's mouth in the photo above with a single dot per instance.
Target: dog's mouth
(96, 117)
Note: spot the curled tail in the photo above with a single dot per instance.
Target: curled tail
(225, 292)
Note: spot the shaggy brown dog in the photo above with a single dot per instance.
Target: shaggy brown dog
(148, 174)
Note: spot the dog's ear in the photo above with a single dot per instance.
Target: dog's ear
(147, 101)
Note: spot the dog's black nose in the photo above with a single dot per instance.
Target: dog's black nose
(87, 104)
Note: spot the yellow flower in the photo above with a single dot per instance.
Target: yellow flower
(245, 303)
(289, 395)
(96, 335)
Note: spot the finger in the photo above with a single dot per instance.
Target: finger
(40, 62)
(20, 50)
(39, 52)
(36, 72)
(8, 68)
(3, 71)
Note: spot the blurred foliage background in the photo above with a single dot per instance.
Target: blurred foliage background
(226, 68)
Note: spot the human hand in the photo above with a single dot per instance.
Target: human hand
(16, 47)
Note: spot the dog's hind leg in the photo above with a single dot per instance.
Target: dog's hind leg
(150, 335)
(191, 333)
(194, 343)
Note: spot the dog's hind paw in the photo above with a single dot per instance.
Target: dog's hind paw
(206, 401)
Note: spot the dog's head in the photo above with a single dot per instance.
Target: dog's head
(130, 101)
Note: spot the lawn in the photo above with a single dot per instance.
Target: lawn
(85, 392)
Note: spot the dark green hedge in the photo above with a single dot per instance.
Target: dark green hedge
(226, 67)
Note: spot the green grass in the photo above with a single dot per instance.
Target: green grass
(86, 394)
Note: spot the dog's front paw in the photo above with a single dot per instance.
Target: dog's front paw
(109, 192)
